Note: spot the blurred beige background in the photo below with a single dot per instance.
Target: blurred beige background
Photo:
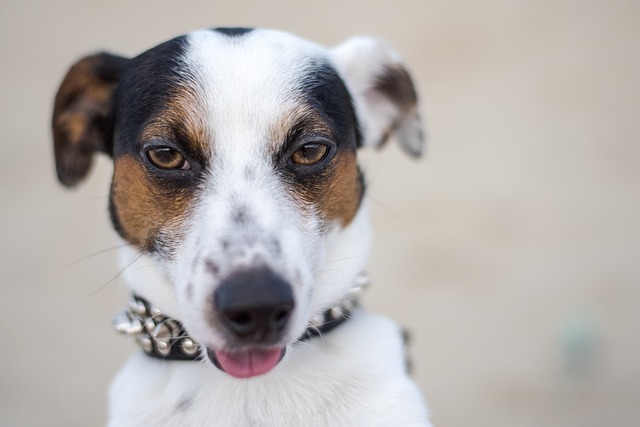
(512, 251)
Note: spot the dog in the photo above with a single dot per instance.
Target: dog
(236, 185)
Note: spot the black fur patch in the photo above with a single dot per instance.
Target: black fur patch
(325, 92)
(144, 89)
(233, 31)
(324, 89)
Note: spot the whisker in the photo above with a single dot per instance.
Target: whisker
(84, 258)
(395, 215)
(117, 276)
(142, 267)
(322, 269)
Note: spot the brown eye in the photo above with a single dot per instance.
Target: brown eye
(310, 154)
(167, 158)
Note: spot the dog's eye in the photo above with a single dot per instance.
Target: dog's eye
(167, 158)
(310, 154)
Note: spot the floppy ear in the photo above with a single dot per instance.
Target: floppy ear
(80, 114)
(383, 93)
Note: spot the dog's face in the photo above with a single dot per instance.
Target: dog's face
(235, 169)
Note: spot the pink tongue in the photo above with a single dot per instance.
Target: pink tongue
(245, 364)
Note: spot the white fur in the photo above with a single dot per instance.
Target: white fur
(353, 376)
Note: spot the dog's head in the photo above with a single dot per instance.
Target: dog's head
(235, 171)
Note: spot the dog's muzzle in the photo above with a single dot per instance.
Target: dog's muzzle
(165, 338)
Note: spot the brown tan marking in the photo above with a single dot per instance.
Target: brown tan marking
(340, 199)
(144, 207)
(336, 195)
(312, 122)
(81, 103)
(338, 191)
(395, 83)
(181, 118)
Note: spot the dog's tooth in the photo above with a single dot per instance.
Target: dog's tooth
(155, 312)
(335, 313)
(189, 347)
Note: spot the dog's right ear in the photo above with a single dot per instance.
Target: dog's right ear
(81, 114)
(383, 93)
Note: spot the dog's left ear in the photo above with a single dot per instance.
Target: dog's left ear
(383, 93)
(81, 114)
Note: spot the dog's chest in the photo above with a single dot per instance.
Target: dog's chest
(347, 379)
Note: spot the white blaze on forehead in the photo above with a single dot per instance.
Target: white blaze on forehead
(247, 85)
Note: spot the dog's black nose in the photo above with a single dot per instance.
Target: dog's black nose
(254, 304)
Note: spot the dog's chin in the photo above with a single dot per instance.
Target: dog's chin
(246, 363)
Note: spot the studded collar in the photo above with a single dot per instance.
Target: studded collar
(163, 337)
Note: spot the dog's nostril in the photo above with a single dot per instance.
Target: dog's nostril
(280, 317)
(242, 320)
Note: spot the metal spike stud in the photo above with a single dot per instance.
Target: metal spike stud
(122, 323)
(189, 347)
(317, 320)
(162, 333)
(137, 307)
(145, 343)
(164, 348)
(362, 280)
(149, 325)
(135, 327)
(348, 304)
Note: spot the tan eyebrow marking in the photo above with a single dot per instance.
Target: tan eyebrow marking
(183, 118)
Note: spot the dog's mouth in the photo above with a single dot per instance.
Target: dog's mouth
(166, 338)
(246, 363)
